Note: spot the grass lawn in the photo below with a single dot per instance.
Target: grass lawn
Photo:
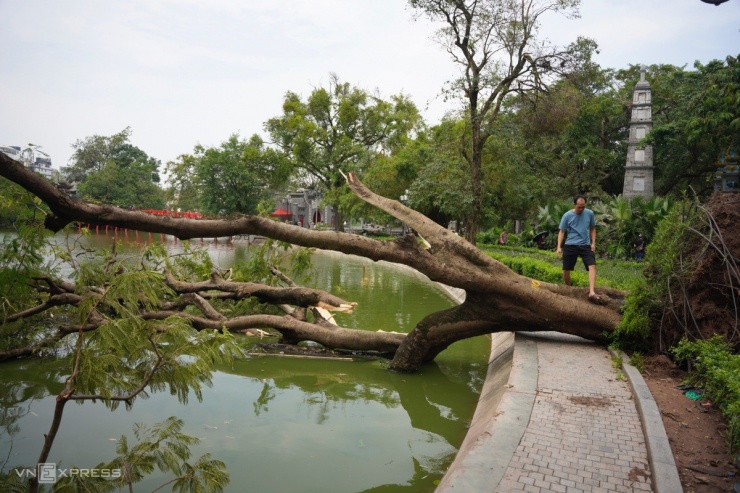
(618, 274)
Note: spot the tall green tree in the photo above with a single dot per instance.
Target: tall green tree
(496, 44)
(574, 135)
(441, 188)
(336, 130)
(230, 179)
(92, 153)
(124, 186)
(113, 171)
(184, 191)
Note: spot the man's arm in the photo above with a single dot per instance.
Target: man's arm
(593, 238)
(561, 235)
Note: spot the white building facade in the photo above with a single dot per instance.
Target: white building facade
(30, 159)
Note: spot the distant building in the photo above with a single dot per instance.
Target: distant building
(12, 151)
(30, 160)
(304, 208)
(42, 165)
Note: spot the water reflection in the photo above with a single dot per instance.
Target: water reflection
(286, 424)
(278, 424)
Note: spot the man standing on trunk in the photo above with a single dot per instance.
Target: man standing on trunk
(578, 229)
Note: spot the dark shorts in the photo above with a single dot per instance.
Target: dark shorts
(572, 252)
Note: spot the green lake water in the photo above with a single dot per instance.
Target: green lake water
(284, 424)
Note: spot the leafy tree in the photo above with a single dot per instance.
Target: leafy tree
(575, 135)
(717, 104)
(514, 187)
(124, 185)
(441, 188)
(337, 130)
(496, 44)
(17, 206)
(598, 141)
(128, 155)
(184, 191)
(229, 179)
(113, 171)
(431, 168)
(118, 353)
(93, 153)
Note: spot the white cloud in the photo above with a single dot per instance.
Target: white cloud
(676, 32)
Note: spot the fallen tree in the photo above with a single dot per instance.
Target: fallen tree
(497, 299)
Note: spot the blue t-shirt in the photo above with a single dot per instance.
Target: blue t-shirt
(578, 226)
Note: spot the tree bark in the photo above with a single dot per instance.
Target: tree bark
(497, 299)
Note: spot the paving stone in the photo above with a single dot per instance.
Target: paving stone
(584, 433)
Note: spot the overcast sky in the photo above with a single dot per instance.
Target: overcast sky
(187, 72)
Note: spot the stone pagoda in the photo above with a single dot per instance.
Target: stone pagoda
(638, 173)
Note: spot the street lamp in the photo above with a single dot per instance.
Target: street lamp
(404, 198)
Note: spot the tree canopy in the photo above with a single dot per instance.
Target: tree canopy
(336, 130)
(113, 171)
(696, 123)
(230, 179)
(497, 47)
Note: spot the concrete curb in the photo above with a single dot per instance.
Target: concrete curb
(481, 461)
(665, 477)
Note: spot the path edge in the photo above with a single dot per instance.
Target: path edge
(665, 478)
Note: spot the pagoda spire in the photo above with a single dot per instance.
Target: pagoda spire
(638, 173)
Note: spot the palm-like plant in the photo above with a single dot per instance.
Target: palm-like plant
(549, 215)
(618, 226)
(622, 219)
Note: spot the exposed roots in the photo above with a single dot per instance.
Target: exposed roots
(704, 289)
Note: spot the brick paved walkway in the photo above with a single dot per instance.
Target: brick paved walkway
(584, 434)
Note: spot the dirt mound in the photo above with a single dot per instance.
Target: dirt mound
(695, 428)
(706, 303)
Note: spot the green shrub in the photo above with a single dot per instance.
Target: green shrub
(489, 237)
(538, 269)
(648, 291)
(544, 265)
(640, 313)
(714, 368)
(637, 361)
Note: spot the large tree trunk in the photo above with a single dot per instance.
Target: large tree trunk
(472, 223)
(497, 298)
